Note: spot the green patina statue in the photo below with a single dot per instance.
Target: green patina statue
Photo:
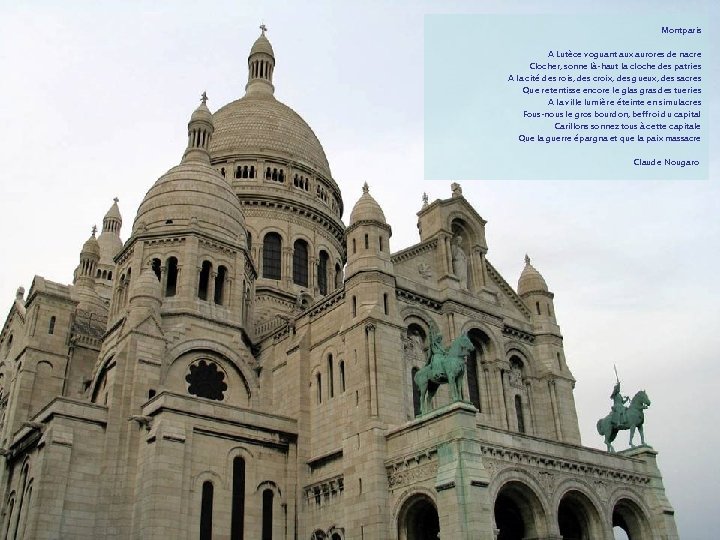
(444, 365)
(621, 417)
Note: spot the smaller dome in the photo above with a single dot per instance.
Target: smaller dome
(192, 192)
(262, 45)
(91, 246)
(202, 113)
(114, 212)
(147, 285)
(367, 209)
(531, 280)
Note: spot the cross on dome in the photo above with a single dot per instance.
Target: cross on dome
(94, 230)
(366, 188)
(116, 200)
(263, 28)
(203, 98)
(527, 259)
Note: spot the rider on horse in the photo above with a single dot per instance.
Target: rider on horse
(619, 410)
(436, 348)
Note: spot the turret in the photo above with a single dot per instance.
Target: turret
(368, 237)
(539, 300)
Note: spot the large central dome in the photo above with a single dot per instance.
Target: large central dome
(259, 123)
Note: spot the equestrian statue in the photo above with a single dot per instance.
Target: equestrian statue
(624, 417)
(444, 365)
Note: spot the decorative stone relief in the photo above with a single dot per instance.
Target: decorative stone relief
(424, 270)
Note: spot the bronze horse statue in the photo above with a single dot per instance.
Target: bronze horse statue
(633, 419)
(444, 367)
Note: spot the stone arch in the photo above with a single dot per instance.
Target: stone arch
(238, 375)
(418, 518)
(213, 347)
(578, 517)
(494, 351)
(100, 375)
(519, 511)
(336, 533)
(631, 515)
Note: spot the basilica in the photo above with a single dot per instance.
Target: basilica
(245, 366)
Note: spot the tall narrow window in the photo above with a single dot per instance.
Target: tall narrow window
(318, 383)
(322, 271)
(537, 307)
(415, 392)
(472, 379)
(354, 246)
(367, 241)
(354, 306)
(204, 280)
(385, 303)
(237, 523)
(220, 285)
(272, 250)
(156, 267)
(519, 414)
(338, 276)
(380, 241)
(51, 326)
(331, 382)
(171, 278)
(300, 263)
(267, 514)
(342, 376)
(206, 511)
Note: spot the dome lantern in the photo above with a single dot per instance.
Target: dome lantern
(261, 64)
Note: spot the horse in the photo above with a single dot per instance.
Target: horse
(634, 419)
(443, 368)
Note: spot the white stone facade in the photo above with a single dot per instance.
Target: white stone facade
(242, 367)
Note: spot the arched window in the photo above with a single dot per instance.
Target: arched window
(342, 376)
(318, 383)
(252, 171)
(220, 285)
(268, 173)
(331, 382)
(237, 518)
(171, 278)
(206, 511)
(519, 414)
(272, 250)
(322, 271)
(51, 326)
(204, 280)
(300, 263)
(156, 268)
(267, 514)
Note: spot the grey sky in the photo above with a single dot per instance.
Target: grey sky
(95, 100)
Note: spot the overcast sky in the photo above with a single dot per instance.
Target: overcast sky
(95, 100)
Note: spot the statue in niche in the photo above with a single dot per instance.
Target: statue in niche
(459, 261)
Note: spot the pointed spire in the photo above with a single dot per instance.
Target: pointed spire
(261, 64)
(200, 130)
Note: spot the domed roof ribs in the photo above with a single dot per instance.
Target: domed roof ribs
(261, 64)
